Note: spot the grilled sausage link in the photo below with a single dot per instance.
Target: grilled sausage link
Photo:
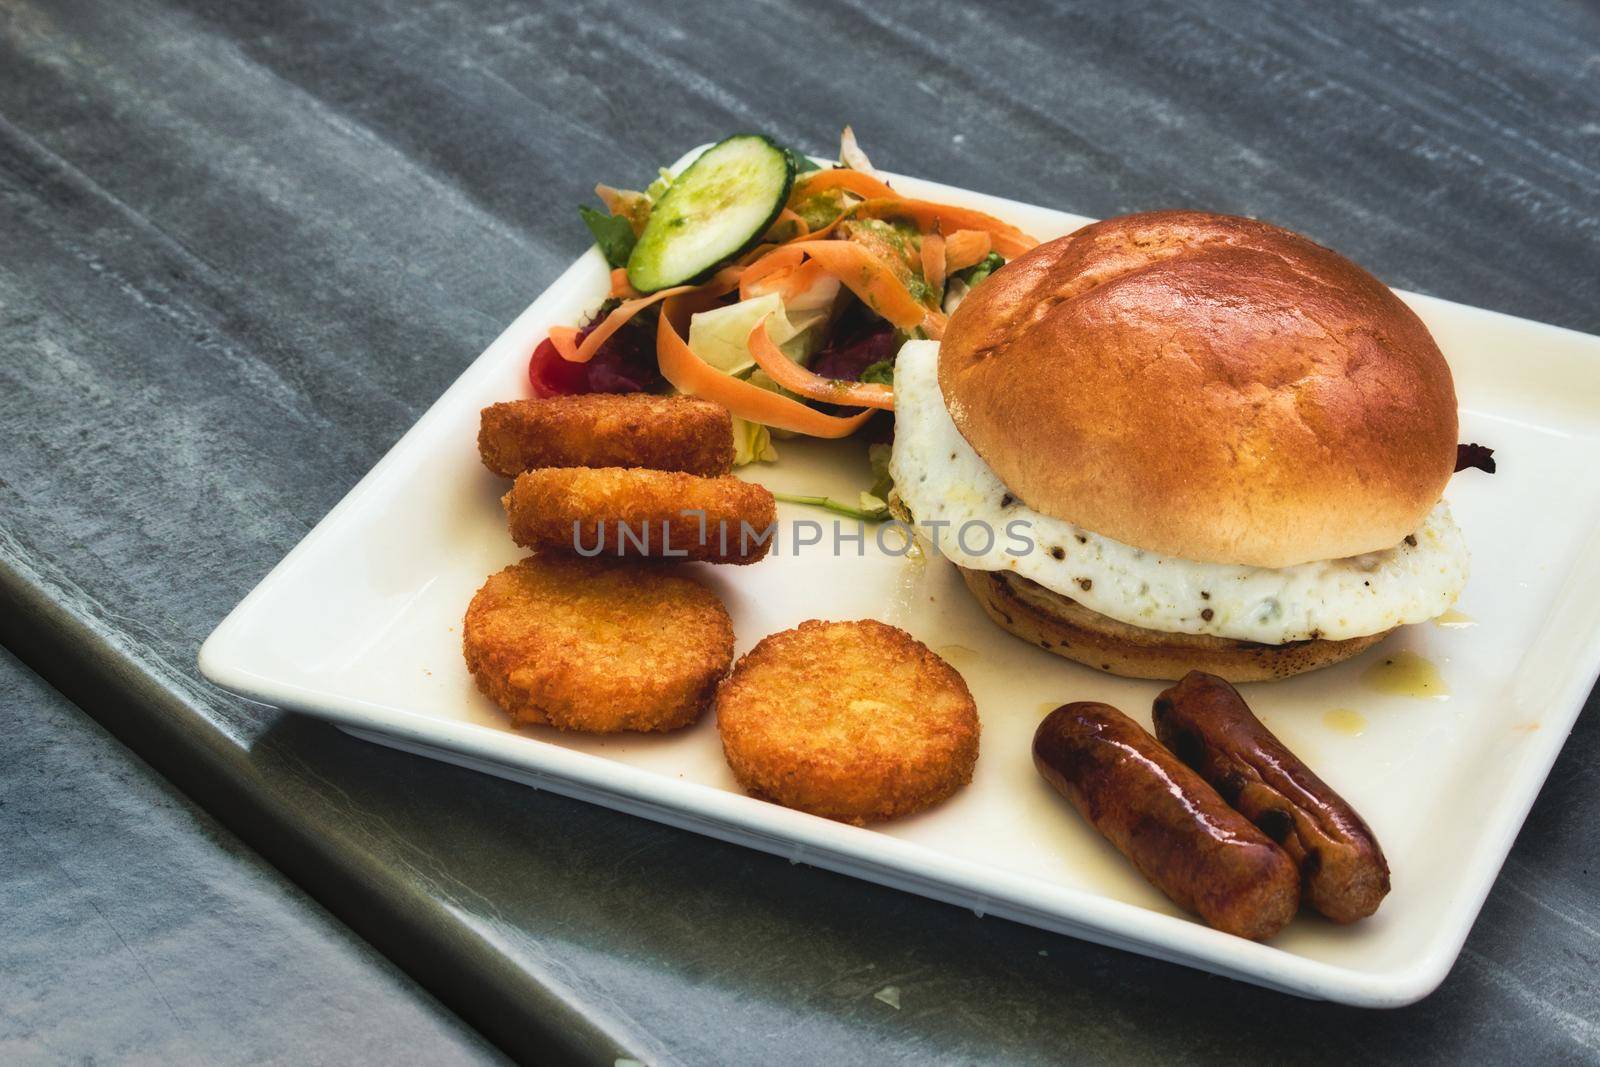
(1208, 725)
(1161, 815)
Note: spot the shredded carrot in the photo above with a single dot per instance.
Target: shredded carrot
(754, 254)
(933, 261)
(826, 231)
(965, 248)
(620, 286)
(870, 278)
(613, 322)
(787, 282)
(626, 204)
(565, 338)
(1007, 239)
(780, 271)
(798, 281)
(851, 181)
(693, 375)
(721, 283)
(611, 198)
(724, 281)
(782, 258)
(797, 379)
(766, 248)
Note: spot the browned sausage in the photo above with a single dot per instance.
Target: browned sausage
(1208, 725)
(1163, 817)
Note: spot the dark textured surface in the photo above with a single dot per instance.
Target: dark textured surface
(243, 246)
(137, 928)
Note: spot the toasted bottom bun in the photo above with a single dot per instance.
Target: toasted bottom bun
(1061, 625)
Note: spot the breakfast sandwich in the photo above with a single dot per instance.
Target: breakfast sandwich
(1179, 440)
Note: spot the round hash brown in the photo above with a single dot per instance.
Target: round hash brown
(855, 721)
(599, 646)
(612, 512)
(669, 433)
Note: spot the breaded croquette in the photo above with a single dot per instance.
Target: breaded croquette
(600, 646)
(855, 721)
(669, 433)
(611, 512)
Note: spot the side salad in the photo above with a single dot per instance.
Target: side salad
(777, 288)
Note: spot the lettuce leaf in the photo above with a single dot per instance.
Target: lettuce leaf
(752, 443)
(721, 336)
(882, 481)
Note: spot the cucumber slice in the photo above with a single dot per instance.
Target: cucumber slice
(717, 208)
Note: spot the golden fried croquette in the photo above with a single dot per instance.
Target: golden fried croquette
(596, 645)
(611, 512)
(669, 433)
(856, 721)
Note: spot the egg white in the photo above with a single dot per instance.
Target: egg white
(961, 507)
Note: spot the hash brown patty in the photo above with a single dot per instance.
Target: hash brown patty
(855, 721)
(669, 433)
(598, 646)
(609, 512)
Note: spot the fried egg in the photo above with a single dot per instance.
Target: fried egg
(962, 509)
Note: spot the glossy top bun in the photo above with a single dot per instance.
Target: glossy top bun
(1207, 387)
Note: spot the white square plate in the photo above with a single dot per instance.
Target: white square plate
(360, 625)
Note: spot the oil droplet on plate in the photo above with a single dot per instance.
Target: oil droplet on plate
(957, 655)
(907, 591)
(1455, 620)
(1406, 674)
(1345, 721)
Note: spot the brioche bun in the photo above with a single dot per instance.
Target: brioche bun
(1206, 387)
(1061, 625)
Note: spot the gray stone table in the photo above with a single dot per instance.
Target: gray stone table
(133, 927)
(244, 245)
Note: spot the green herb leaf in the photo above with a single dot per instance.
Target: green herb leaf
(799, 160)
(613, 233)
(879, 373)
(981, 269)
